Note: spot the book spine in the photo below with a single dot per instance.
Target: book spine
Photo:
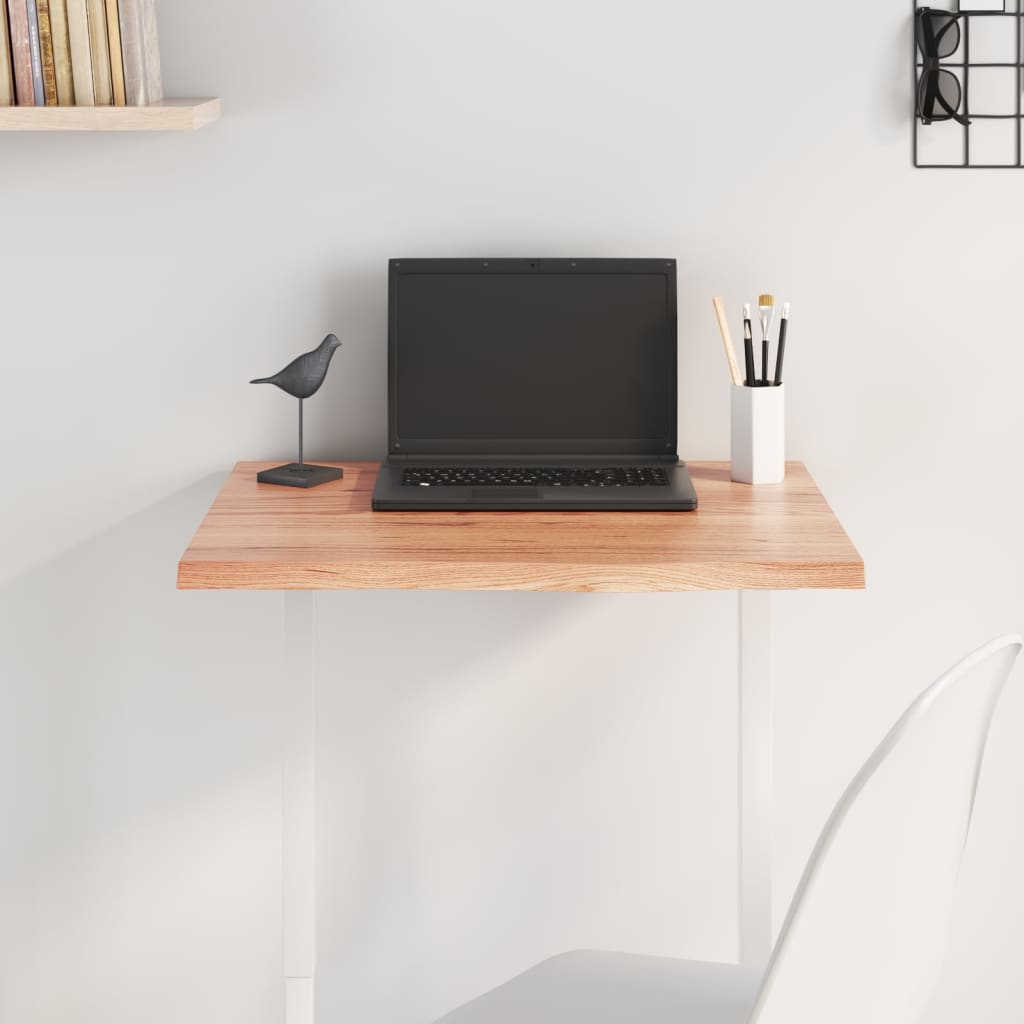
(116, 57)
(130, 18)
(62, 52)
(140, 47)
(7, 98)
(46, 53)
(36, 55)
(102, 83)
(81, 53)
(151, 52)
(21, 52)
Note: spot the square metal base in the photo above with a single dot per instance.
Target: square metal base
(294, 475)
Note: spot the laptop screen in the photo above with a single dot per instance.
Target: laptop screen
(533, 357)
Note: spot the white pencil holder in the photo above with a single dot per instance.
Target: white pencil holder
(759, 434)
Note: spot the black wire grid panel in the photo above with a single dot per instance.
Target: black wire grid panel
(961, 147)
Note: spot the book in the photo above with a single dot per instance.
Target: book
(35, 53)
(62, 52)
(102, 82)
(116, 57)
(21, 52)
(7, 98)
(140, 48)
(81, 53)
(46, 53)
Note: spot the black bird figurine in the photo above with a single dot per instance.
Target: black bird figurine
(301, 379)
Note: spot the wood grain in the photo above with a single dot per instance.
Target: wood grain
(177, 115)
(261, 537)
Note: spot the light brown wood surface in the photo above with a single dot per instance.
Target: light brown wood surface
(730, 350)
(169, 116)
(262, 537)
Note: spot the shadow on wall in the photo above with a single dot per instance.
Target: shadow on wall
(139, 863)
(353, 415)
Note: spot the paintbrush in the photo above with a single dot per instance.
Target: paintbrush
(766, 307)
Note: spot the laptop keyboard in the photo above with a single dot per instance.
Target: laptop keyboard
(535, 476)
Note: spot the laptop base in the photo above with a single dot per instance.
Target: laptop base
(391, 495)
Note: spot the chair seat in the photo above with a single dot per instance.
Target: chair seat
(588, 987)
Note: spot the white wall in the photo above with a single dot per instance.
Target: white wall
(523, 774)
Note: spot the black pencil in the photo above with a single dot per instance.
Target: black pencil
(782, 344)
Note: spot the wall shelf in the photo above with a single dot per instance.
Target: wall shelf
(169, 116)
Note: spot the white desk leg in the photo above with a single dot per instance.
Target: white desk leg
(755, 776)
(298, 810)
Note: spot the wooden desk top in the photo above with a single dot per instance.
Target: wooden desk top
(262, 537)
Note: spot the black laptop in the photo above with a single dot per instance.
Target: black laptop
(532, 384)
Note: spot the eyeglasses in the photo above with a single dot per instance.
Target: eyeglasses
(939, 95)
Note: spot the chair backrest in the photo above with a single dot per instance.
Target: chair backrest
(864, 938)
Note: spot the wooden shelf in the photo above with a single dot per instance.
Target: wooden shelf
(168, 116)
(261, 537)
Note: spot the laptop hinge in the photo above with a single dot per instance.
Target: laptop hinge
(481, 459)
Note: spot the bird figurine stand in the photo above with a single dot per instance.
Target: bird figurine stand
(301, 379)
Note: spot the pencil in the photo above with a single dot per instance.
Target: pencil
(783, 330)
(730, 352)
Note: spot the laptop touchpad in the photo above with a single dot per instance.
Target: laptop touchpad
(505, 493)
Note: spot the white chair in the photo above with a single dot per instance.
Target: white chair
(864, 938)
